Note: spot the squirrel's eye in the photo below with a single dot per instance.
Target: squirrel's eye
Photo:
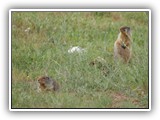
(126, 30)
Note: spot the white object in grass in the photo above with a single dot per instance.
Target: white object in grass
(27, 30)
(76, 49)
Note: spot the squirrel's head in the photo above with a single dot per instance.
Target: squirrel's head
(125, 30)
(42, 79)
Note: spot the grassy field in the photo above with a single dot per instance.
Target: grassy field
(40, 43)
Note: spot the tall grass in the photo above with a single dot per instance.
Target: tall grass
(40, 41)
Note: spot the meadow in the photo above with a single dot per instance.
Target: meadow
(40, 43)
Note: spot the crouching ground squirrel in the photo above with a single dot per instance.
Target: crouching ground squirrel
(123, 45)
(101, 64)
(47, 84)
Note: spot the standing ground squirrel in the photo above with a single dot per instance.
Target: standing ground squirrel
(123, 45)
(48, 84)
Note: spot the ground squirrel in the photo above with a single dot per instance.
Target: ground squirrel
(123, 45)
(47, 84)
(101, 64)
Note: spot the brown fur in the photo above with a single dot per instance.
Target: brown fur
(123, 45)
(46, 83)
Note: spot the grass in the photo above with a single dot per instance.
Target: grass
(40, 41)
